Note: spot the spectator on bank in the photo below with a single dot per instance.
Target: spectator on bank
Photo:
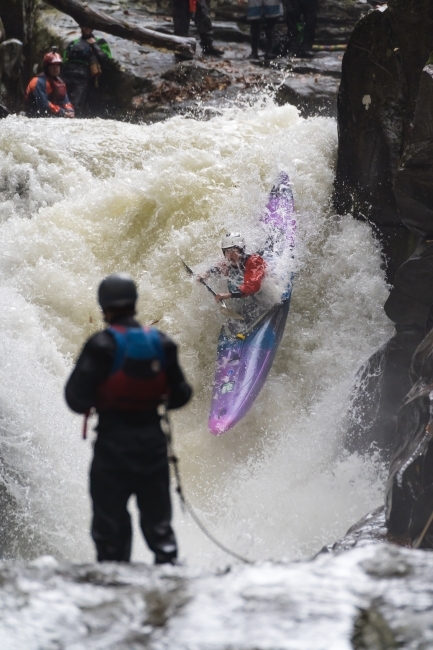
(83, 61)
(183, 11)
(301, 13)
(46, 94)
(266, 13)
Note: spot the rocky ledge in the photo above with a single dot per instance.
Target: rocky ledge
(145, 85)
(378, 597)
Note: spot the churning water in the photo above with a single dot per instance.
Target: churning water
(81, 199)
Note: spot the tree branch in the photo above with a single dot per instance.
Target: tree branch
(88, 17)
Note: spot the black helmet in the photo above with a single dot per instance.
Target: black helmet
(116, 291)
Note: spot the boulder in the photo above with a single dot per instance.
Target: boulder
(381, 71)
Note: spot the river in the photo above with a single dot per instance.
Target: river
(83, 198)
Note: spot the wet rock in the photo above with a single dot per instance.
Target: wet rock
(312, 94)
(370, 529)
(336, 20)
(11, 87)
(413, 185)
(411, 297)
(409, 492)
(379, 390)
(323, 63)
(371, 632)
(380, 78)
(363, 598)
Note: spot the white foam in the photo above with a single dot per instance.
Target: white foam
(89, 197)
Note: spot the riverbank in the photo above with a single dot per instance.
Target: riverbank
(145, 85)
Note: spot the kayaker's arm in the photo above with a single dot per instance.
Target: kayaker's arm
(255, 269)
(219, 269)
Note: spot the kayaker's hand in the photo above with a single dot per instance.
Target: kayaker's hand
(201, 276)
(222, 296)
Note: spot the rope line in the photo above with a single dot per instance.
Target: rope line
(184, 501)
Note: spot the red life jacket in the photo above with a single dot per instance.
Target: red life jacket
(56, 89)
(137, 381)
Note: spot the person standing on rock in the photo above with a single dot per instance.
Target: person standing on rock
(46, 94)
(264, 12)
(126, 372)
(83, 61)
(183, 11)
(307, 11)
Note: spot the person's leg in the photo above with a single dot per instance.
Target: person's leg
(77, 93)
(111, 525)
(203, 23)
(293, 14)
(255, 38)
(309, 9)
(181, 17)
(269, 35)
(153, 501)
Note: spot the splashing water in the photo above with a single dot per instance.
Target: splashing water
(84, 198)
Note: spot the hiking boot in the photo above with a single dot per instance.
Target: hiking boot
(208, 49)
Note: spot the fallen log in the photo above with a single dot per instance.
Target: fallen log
(85, 15)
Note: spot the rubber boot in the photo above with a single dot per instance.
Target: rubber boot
(255, 38)
(208, 48)
(269, 35)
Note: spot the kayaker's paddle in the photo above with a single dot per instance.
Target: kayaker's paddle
(224, 309)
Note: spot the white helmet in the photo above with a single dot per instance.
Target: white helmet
(232, 239)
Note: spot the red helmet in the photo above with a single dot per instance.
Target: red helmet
(52, 58)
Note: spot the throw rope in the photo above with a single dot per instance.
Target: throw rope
(184, 501)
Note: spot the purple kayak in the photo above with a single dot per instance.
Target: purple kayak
(244, 360)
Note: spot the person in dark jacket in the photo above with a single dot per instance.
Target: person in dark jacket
(83, 61)
(46, 94)
(125, 372)
(307, 10)
(198, 10)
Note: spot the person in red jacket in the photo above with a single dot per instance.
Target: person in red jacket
(46, 94)
(244, 272)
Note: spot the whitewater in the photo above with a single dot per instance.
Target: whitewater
(83, 198)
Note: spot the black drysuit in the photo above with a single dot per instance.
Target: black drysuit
(308, 10)
(130, 454)
(76, 69)
(202, 20)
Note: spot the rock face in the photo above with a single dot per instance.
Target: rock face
(384, 173)
(413, 185)
(380, 78)
(378, 598)
(409, 494)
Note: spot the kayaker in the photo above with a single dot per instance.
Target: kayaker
(125, 372)
(46, 94)
(244, 272)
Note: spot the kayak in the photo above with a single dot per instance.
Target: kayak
(245, 359)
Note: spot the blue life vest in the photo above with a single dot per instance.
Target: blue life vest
(137, 380)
